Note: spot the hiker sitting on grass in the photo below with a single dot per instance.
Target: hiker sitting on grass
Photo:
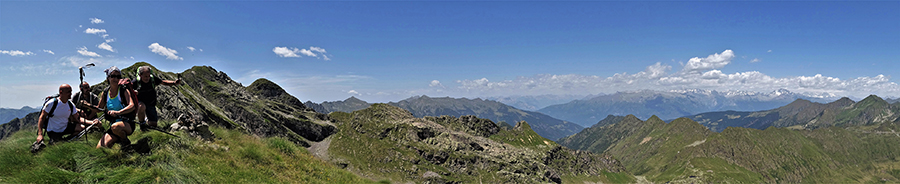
(63, 119)
(119, 104)
(145, 85)
(86, 102)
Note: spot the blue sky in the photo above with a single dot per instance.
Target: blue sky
(388, 51)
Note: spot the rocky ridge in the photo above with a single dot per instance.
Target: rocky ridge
(387, 142)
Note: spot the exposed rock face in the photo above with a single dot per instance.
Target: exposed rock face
(27, 122)
(384, 141)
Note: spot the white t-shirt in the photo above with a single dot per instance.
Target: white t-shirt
(60, 118)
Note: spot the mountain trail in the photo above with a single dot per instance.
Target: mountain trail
(696, 143)
(320, 149)
(642, 180)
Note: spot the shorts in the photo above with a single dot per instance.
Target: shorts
(58, 136)
(151, 113)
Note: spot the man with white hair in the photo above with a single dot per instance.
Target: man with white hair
(145, 85)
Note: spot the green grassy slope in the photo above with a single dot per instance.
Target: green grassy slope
(384, 142)
(685, 151)
(234, 157)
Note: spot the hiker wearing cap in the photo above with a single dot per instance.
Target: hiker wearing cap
(118, 102)
(145, 85)
(86, 102)
(59, 117)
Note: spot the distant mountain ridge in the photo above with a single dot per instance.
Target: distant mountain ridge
(9, 114)
(536, 102)
(421, 106)
(684, 151)
(672, 104)
(807, 115)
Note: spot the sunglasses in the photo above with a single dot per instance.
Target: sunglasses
(115, 76)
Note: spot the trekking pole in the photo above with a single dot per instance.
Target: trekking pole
(144, 124)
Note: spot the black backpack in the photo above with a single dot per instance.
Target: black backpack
(53, 109)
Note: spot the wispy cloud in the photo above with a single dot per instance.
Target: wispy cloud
(769, 51)
(94, 31)
(16, 53)
(755, 60)
(699, 73)
(84, 52)
(293, 52)
(105, 46)
(110, 40)
(50, 52)
(193, 49)
(163, 51)
(96, 21)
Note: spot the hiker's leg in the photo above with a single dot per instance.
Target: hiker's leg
(106, 141)
(152, 115)
(119, 131)
(141, 111)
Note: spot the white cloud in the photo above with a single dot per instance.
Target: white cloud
(285, 52)
(293, 52)
(96, 21)
(105, 46)
(715, 61)
(163, 51)
(307, 53)
(110, 40)
(769, 51)
(94, 31)
(435, 83)
(104, 35)
(50, 51)
(191, 48)
(700, 73)
(755, 60)
(84, 52)
(317, 49)
(353, 92)
(16, 53)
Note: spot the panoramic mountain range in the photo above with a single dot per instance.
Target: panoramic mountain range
(671, 104)
(9, 114)
(421, 106)
(228, 132)
(804, 114)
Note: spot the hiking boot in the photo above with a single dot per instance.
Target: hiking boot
(143, 125)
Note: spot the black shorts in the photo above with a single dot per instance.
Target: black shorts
(58, 136)
(151, 113)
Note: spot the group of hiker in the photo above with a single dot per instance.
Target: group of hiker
(124, 103)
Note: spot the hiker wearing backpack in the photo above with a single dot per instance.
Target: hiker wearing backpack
(145, 85)
(118, 101)
(58, 117)
(86, 102)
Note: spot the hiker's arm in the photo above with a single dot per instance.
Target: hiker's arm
(170, 83)
(41, 121)
(131, 106)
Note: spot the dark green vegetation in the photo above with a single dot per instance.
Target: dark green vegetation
(421, 106)
(685, 151)
(667, 104)
(384, 142)
(7, 115)
(804, 114)
(233, 157)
